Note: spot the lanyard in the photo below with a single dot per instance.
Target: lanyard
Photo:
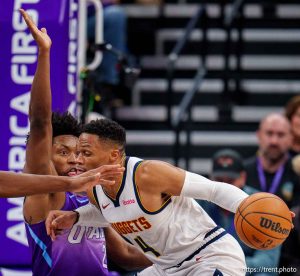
(262, 177)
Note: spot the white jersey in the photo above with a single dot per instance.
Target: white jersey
(167, 236)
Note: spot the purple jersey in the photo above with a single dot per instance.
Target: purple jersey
(79, 251)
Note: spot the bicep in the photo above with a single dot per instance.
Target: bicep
(161, 177)
(36, 208)
(38, 149)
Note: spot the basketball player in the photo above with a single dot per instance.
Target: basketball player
(15, 184)
(152, 206)
(53, 149)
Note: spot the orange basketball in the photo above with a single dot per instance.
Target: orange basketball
(263, 221)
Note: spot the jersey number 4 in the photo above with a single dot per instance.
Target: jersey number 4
(145, 247)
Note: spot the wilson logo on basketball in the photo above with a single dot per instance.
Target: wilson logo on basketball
(127, 202)
(276, 227)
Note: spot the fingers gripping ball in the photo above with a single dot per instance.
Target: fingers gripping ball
(263, 221)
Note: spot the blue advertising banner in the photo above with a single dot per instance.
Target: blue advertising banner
(18, 56)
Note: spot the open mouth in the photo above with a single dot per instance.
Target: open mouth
(75, 171)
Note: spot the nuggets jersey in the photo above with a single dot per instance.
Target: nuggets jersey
(168, 235)
(79, 251)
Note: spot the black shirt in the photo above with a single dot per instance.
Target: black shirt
(293, 153)
(288, 188)
(290, 253)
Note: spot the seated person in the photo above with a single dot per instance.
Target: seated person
(292, 112)
(290, 253)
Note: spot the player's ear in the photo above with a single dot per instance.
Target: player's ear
(114, 155)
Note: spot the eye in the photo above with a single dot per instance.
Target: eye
(63, 152)
(269, 133)
(87, 153)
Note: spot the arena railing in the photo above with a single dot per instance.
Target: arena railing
(233, 18)
(82, 67)
(184, 108)
(183, 119)
(174, 56)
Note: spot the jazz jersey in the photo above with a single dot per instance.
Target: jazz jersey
(168, 235)
(79, 251)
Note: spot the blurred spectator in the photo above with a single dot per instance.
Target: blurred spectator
(292, 112)
(290, 256)
(290, 253)
(271, 170)
(228, 167)
(107, 75)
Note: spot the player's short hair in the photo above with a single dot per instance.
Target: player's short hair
(292, 106)
(65, 124)
(107, 130)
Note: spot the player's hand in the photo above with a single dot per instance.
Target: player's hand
(40, 36)
(98, 176)
(83, 182)
(58, 220)
(292, 215)
(105, 174)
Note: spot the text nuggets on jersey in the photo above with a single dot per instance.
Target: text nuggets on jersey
(131, 226)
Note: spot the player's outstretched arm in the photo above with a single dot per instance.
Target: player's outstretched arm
(15, 184)
(158, 176)
(38, 151)
(39, 145)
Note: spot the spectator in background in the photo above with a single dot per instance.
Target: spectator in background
(292, 112)
(107, 75)
(270, 170)
(228, 167)
(290, 253)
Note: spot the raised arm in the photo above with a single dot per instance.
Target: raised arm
(38, 152)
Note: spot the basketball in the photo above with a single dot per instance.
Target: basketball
(263, 221)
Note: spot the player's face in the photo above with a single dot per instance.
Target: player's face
(65, 156)
(274, 139)
(94, 152)
(295, 123)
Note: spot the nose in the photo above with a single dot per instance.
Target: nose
(274, 140)
(72, 158)
(79, 158)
